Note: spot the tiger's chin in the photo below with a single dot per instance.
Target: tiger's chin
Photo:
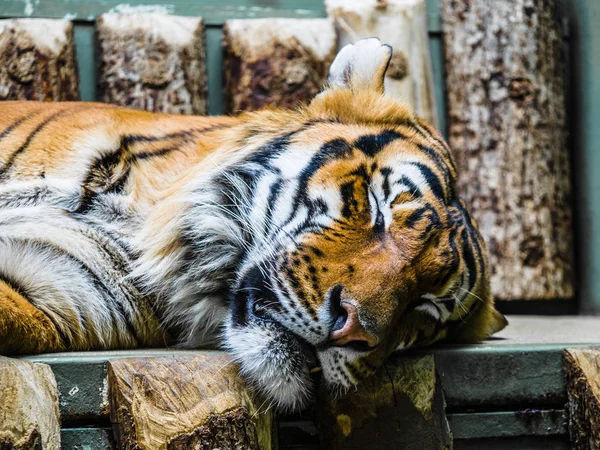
(274, 362)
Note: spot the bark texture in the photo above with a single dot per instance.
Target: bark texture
(197, 402)
(401, 406)
(37, 60)
(583, 389)
(29, 417)
(403, 25)
(153, 62)
(275, 62)
(505, 79)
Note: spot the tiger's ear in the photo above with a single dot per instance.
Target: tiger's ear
(361, 66)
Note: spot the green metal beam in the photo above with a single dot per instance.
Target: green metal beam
(214, 12)
(585, 116)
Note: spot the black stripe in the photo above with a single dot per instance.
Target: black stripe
(188, 133)
(347, 194)
(98, 283)
(412, 187)
(15, 125)
(274, 191)
(24, 292)
(469, 258)
(432, 180)
(385, 186)
(154, 154)
(23, 147)
(330, 151)
(438, 160)
(371, 144)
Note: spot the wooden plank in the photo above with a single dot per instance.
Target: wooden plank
(152, 62)
(275, 62)
(402, 406)
(215, 12)
(522, 367)
(37, 60)
(583, 388)
(87, 439)
(176, 403)
(29, 408)
(515, 443)
(504, 424)
(403, 25)
(506, 100)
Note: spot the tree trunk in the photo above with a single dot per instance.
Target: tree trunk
(37, 60)
(505, 79)
(275, 62)
(583, 388)
(153, 62)
(177, 403)
(403, 25)
(401, 406)
(29, 416)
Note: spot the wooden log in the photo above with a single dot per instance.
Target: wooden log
(506, 99)
(29, 416)
(583, 389)
(152, 61)
(37, 60)
(180, 402)
(403, 25)
(402, 406)
(275, 62)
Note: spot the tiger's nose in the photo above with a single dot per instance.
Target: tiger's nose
(347, 328)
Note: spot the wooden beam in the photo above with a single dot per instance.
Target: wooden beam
(402, 406)
(583, 388)
(29, 406)
(403, 25)
(37, 60)
(275, 62)
(506, 98)
(153, 62)
(182, 402)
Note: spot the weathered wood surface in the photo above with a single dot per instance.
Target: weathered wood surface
(505, 81)
(402, 406)
(403, 25)
(583, 388)
(275, 62)
(153, 62)
(37, 60)
(177, 403)
(29, 416)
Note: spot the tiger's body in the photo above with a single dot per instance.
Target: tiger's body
(332, 232)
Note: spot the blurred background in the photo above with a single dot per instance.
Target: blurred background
(514, 87)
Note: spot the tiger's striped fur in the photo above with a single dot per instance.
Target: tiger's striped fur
(121, 229)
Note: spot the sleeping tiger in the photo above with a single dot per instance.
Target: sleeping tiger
(328, 237)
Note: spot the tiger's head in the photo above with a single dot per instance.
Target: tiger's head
(359, 244)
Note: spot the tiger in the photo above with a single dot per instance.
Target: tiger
(324, 237)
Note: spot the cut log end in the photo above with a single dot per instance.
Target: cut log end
(177, 403)
(275, 62)
(29, 407)
(583, 388)
(152, 62)
(37, 60)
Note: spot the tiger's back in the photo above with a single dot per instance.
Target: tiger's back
(76, 179)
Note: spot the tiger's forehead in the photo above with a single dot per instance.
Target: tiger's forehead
(328, 153)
